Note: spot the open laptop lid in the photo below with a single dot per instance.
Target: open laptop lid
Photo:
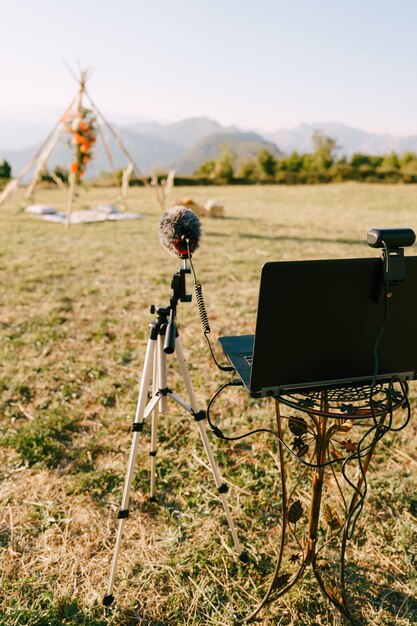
(318, 321)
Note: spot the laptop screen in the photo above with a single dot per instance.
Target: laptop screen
(318, 321)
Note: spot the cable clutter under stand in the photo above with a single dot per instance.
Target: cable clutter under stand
(335, 435)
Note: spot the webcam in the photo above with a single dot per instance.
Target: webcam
(392, 238)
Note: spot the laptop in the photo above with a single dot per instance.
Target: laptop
(317, 324)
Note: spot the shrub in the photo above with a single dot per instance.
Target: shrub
(5, 169)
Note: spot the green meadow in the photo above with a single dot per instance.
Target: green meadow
(74, 319)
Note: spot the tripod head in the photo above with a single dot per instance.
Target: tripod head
(178, 284)
(179, 294)
(166, 315)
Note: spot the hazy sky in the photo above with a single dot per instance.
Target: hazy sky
(263, 64)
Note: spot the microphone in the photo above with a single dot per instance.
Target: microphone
(179, 231)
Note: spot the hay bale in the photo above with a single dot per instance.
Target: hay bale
(190, 204)
(214, 208)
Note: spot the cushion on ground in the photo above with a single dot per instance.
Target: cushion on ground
(40, 209)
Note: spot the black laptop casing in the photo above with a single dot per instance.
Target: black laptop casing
(317, 324)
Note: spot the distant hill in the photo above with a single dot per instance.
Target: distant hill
(148, 153)
(185, 133)
(244, 145)
(349, 139)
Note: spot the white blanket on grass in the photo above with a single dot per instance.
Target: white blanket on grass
(102, 213)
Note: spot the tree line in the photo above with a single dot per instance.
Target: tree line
(319, 166)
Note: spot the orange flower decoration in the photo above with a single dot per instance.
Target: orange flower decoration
(81, 125)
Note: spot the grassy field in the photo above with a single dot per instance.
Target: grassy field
(74, 315)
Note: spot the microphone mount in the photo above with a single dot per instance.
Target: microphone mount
(167, 315)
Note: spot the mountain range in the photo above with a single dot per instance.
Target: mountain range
(184, 145)
(349, 139)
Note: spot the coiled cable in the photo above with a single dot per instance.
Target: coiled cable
(202, 308)
(203, 315)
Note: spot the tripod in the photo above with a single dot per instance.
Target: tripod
(164, 340)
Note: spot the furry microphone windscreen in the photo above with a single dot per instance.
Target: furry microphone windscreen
(179, 226)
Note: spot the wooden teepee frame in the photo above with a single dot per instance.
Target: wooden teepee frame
(41, 156)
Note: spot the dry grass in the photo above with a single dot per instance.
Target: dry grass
(73, 327)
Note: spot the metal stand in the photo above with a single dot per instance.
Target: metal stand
(336, 442)
(164, 340)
